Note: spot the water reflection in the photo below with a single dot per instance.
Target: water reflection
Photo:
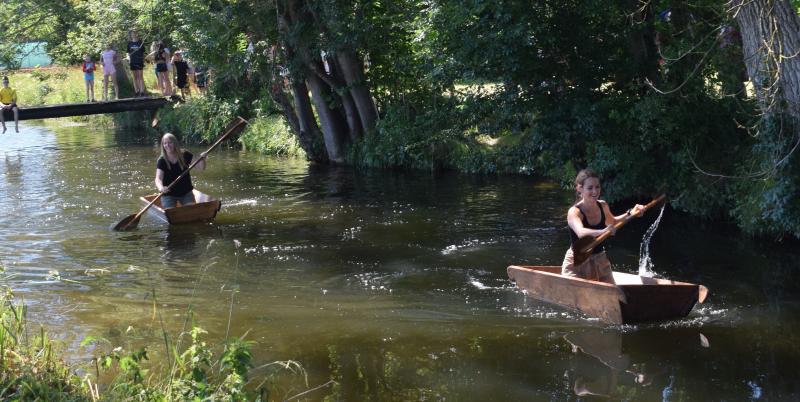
(630, 363)
(605, 346)
(185, 242)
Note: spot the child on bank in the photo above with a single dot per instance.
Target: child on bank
(109, 58)
(88, 68)
(180, 73)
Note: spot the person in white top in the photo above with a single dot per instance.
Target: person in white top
(109, 58)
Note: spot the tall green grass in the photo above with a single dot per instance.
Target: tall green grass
(205, 118)
(29, 366)
(195, 370)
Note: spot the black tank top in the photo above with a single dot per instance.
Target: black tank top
(599, 226)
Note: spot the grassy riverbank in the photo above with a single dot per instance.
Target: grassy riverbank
(56, 85)
(31, 367)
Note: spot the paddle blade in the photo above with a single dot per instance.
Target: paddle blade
(128, 223)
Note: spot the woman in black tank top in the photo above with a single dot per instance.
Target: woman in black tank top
(591, 216)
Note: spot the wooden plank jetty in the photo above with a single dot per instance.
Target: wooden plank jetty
(85, 109)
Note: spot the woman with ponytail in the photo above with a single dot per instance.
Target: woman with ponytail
(590, 216)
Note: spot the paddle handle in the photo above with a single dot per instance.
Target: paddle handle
(235, 126)
(621, 223)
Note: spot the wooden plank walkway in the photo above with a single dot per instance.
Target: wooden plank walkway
(85, 109)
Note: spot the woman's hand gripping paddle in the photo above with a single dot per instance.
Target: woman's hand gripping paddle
(131, 221)
(582, 249)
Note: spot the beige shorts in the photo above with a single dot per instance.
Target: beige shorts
(596, 268)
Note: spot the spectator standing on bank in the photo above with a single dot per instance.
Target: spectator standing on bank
(136, 58)
(88, 69)
(109, 58)
(180, 71)
(161, 57)
(201, 78)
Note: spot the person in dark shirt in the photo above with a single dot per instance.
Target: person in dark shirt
(180, 74)
(590, 216)
(161, 58)
(200, 78)
(136, 59)
(173, 161)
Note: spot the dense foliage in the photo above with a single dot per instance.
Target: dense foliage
(652, 95)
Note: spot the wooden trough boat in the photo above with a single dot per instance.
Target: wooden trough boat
(204, 210)
(632, 300)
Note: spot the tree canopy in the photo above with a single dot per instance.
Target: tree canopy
(656, 96)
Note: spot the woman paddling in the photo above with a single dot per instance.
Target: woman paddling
(173, 161)
(590, 216)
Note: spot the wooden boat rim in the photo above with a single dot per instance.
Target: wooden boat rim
(545, 270)
(149, 197)
(539, 271)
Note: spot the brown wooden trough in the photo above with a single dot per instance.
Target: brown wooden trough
(204, 210)
(633, 299)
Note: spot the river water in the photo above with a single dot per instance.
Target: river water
(392, 284)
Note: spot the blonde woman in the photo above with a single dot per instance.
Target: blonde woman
(174, 160)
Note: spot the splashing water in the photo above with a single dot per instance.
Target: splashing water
(645, 263)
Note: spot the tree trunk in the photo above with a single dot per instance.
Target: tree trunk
(341, 93)
(642, 45)
(330, 119)
(352, 69)
(307, 123)
(770, 32)
(300, 118)
(352, 116)
(123, 80)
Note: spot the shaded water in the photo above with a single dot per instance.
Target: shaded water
(391, 284)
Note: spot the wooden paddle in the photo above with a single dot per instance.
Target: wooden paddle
(130, 221)
(582, 249)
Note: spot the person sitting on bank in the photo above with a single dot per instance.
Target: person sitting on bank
(174, 160)
(8, 101)
(590, 216)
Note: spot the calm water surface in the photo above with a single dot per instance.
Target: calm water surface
(392, 284)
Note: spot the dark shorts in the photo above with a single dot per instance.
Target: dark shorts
(137, 66)
(181, 83)
(161, 67)
(170, 201)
